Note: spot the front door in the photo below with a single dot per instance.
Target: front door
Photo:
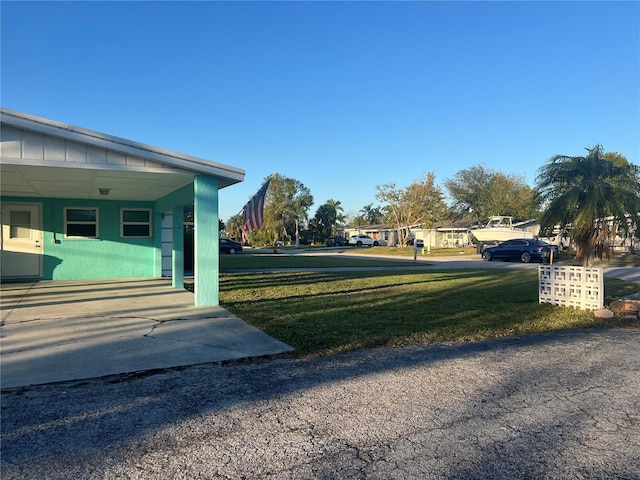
(21, 240)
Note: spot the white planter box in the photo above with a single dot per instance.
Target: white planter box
(577, 287)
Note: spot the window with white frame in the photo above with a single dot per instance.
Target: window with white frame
(454, 236)
(135, 222)
(80, 222)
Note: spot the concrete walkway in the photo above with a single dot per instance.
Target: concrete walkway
(60, 331)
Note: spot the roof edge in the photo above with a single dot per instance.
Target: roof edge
(92, 137)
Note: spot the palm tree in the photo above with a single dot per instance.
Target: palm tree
(372, 214)
(593, 194)
(337, 206)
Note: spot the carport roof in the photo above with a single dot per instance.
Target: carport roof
(165, 171)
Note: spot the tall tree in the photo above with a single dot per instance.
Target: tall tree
(323, 224)
(597, 196)
(421, 203)
(286, 204)
(337, 206)
(510, 195)
(616, 158)
(479, 192)
(233, 227)
(373, 215)
(469, 191)
(355, 219)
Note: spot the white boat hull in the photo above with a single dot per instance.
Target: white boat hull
(486, 235)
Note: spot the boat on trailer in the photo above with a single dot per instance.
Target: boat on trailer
(500, 228)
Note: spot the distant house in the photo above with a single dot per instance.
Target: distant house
(385, 232)
(455, 234)
(378, 231)
(445, 235)
(79, 204)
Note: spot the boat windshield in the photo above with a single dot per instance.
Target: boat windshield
(499, 222)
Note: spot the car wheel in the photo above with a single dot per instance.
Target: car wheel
(359, 243)
(376, 244)
(486, 256)
(232, 251)
(525, 257)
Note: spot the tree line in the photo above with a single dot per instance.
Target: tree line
(576, 193)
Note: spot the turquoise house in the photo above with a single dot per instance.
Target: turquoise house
(78, 204)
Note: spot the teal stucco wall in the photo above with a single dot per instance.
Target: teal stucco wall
(108, 256)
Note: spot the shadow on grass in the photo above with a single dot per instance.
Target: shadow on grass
(325, 313)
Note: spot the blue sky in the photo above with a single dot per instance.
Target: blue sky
(342, 96)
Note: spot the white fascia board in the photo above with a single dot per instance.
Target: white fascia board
(93, 166)
(91, 137)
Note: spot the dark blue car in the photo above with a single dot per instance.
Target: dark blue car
(229, 246)
(337, 242)
(521, 249)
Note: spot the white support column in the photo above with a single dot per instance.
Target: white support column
(157, 249)
(177, 249)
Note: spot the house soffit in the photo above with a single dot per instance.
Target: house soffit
(87, 183)
(87, 161)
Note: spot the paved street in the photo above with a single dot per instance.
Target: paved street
(552, 406)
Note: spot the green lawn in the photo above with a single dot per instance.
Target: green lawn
(325, 313)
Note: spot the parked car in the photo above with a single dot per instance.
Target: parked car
(557, 238)
(229, 246)
(360, 240)
(336, 242)
(523, 249)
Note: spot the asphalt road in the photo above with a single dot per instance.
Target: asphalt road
(553, 406)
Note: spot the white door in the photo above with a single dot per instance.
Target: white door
(21, 241)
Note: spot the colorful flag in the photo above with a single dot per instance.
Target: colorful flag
(252, 216)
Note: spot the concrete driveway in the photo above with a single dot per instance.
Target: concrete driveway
(70, 330)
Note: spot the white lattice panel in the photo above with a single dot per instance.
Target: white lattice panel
(578, 287)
